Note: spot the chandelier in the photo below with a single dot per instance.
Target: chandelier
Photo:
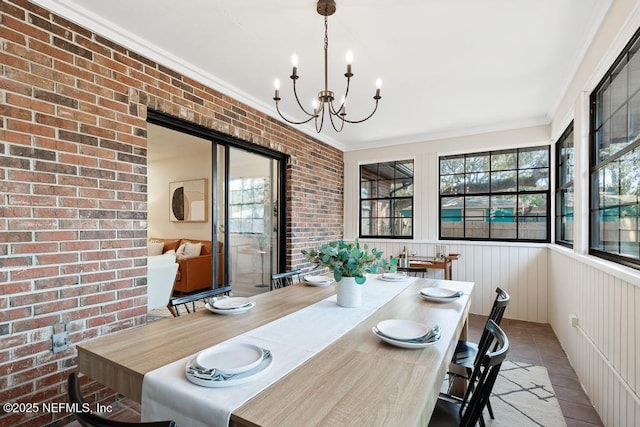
(324, 103)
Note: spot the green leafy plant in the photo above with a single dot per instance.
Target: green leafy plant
(347, 259)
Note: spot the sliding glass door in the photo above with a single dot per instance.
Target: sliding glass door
(243, 183)
(251, 218)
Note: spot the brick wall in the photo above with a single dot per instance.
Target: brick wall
(73, 191)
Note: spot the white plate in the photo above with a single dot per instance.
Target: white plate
(241, 378)
(438, 294)
(318, 280)
(232, 358)
(231, 303)
(402, 329)
(239, 310)
(394, 277)
(403, 344)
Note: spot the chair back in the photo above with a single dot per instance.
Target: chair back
(89, 419)
(484, 375)
(188, 302)
(497, 311)
(281, 280)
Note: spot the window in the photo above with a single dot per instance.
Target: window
(246, 205)
(496, 195)
(615, 160)
(386, 199)
(564, 188)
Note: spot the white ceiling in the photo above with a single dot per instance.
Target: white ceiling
(448, 68)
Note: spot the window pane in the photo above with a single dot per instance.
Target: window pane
(402, 226)
(533, 158)
(501, 161)
(533, 179)
(503, 181)
(477, 163)
(451, 165)
(491, 181)
(503, 208)
(366, 189)
(477, 182)
(603, 141)
(384, 188)
(386, 199)
(366, 209)
(383, 227)
(619, 87)
(634, 69)
(403, 208)
(619, 131)
(452, 184)
(476, 229)
(634, 117)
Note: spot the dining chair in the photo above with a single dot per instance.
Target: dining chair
(90, 419)
(191, 300)
(467, 353)
(452, 411)
(280, 280)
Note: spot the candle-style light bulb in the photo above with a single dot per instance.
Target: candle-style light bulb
(349, 61)
(276, 85)
(294, 63)
(378, 87)
(315, 104)
(343, 106)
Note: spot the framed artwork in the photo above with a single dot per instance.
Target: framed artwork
(188, 201)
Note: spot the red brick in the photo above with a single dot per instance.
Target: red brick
(55, 306)
(34, 273)
(35, 323)
(33, 298)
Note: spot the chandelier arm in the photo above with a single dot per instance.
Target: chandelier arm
(295, 93)
(318, 129)
(342, 120)
(366, 118)
(346, 95)
(291, 121)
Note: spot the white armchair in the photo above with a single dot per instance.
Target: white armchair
(161, 273)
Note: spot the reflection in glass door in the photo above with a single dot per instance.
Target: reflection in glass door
(252, 187)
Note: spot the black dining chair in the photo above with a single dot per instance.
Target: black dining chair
(451, 411)
(191, 301)
(288, 278)
(466, 353)
(90, 419)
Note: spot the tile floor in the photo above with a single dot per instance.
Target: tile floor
(530, 342)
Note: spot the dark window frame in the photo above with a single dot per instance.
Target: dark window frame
(616, 151)
(487, 217)
(392, 200)
(563, 169)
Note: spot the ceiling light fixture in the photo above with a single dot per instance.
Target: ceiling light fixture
(324, 102)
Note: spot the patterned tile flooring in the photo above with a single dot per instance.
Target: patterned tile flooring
(534, 343)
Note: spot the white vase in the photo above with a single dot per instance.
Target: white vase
(349, 292)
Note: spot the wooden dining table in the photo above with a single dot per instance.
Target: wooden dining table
(356, 380)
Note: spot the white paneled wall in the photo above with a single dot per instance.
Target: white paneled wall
(519, 269)
(604, 347)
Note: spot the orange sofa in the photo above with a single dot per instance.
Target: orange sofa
(194, 274)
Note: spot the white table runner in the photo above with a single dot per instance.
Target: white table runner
(293, 339)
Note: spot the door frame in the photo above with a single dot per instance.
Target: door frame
(218, 138)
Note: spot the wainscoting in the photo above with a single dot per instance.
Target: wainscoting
(550, 284)
(603, 345)
(521, 270)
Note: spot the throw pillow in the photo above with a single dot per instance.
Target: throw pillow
(155, 248)
(188, 250)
